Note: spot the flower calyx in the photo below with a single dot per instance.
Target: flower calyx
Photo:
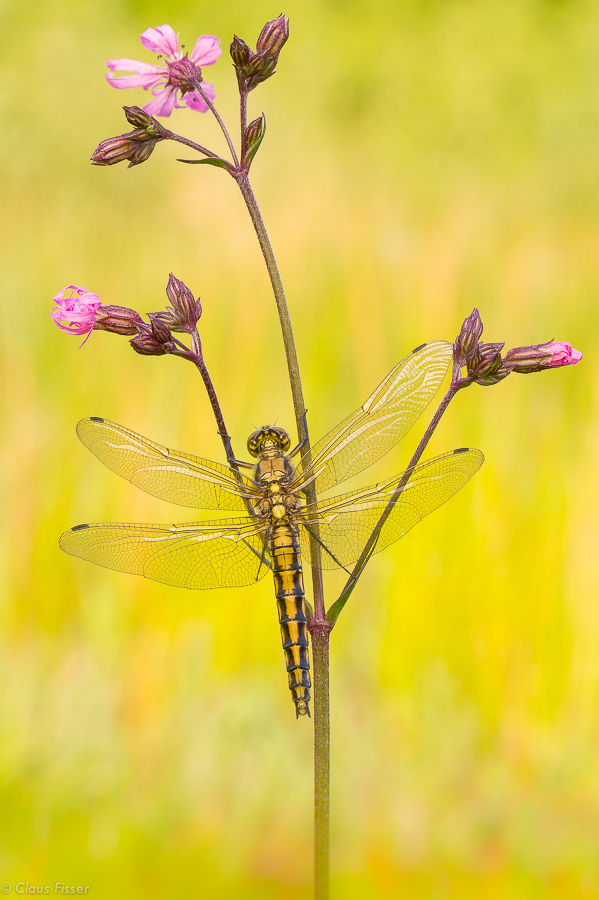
(254, 67)
(117, 319)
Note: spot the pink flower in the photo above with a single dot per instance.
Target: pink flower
(75, 313)
(538, 357)
(563, 354)
(181, 72)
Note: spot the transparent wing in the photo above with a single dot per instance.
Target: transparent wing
(382, 421)
(167, 474)
(228, 553)
(346, 522)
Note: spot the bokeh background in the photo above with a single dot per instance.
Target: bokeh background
(422, 157)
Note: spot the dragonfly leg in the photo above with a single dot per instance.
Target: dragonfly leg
(297, 449)
(231, 455)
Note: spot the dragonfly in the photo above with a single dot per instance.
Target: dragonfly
(284, 513)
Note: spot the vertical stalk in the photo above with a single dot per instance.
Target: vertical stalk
(295, 380)
(322, 758)
(319, 628)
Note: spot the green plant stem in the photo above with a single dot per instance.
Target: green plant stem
(183, 140)
(318, 626)
(223, 127)
(322, 758)
(295, 381)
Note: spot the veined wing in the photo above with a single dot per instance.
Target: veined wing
(225, 553)
(346, 522)
(168, 474)
(382, 421)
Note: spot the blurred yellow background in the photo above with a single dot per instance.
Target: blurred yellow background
(422, 157)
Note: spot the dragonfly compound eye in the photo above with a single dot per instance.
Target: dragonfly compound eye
(269, 434)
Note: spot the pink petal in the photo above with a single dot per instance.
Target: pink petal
(206, 51)
(164, 103)
(564, 354)
(133, 81)
(161, 40)
(195, 100)
(133, 65)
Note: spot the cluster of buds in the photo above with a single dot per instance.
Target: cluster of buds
(137, 146)
(184, 311)
(485, 364)
(253, 68)
(79, 311)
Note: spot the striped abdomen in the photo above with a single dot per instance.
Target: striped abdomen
(284, 549)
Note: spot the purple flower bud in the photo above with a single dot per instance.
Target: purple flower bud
(485, 365)
(137, 146)
(154, 339)
(134, 146)
(469, 336)
(240, 52)
(184, 312)
(117, 319)
(538, 357)
(273, 36)
(254, 68)
(140, 119)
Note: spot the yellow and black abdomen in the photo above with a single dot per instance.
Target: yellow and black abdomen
(284, 549)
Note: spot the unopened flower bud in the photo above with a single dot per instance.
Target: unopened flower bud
(253, 137)
(134, 146)
(273, 36)
(254, 68)
(185, 310)
(468, 338)
(240, 52)
(117, 319)
(154, 339)
(485, 365)
(538, 357)
(141, 119)
(137, 146)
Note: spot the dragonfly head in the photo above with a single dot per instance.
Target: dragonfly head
(269, 437)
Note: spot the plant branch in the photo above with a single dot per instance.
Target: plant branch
(223, 127)
(322, 759)
(293, 369)
(370, 546)
(183, 140)
(243, 119)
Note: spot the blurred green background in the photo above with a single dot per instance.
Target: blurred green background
(422, 157)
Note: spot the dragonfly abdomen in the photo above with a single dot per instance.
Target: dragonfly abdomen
(284, 549)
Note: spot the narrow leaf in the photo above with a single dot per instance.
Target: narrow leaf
(208, 161)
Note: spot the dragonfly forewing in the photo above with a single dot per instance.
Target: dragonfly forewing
(383, 420)
(344, 523)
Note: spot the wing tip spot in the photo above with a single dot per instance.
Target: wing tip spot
(95, 419)
(416, 349)
(79, 527)
(462, 450)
